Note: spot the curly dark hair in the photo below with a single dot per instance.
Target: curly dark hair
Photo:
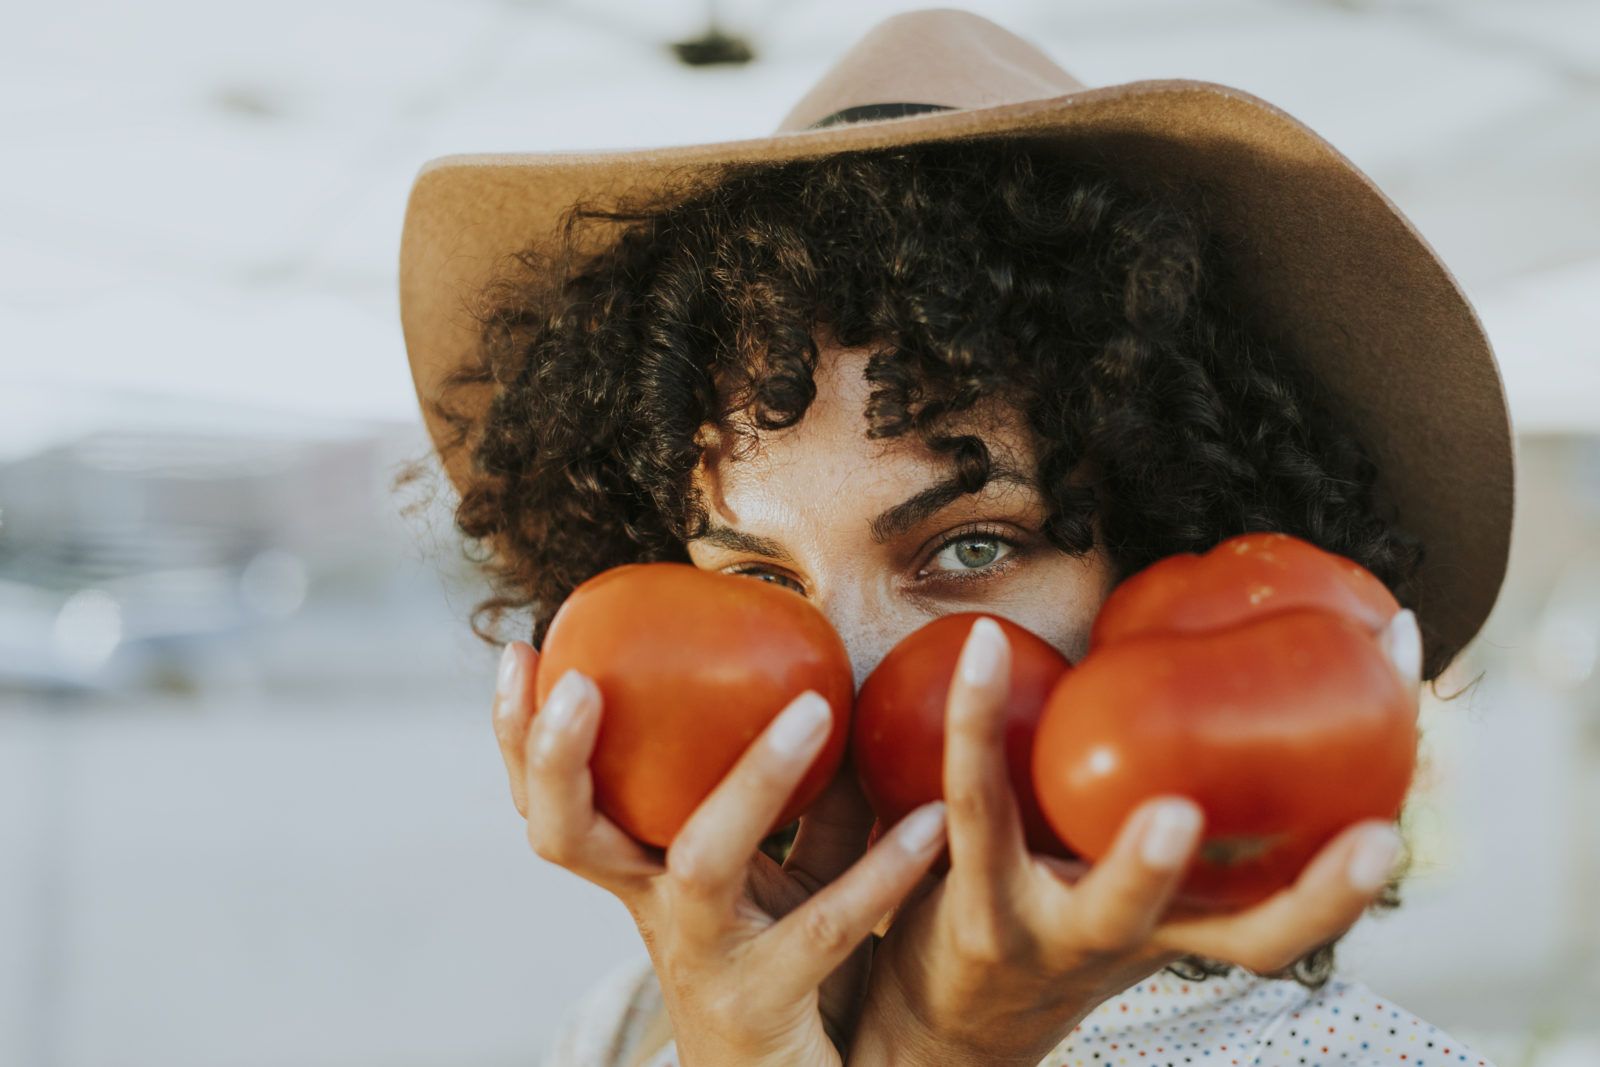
(1001, 268)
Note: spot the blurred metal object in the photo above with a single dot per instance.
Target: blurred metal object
(714, 47)
(120, 549)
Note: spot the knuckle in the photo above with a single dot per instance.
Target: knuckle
(824, 931)
(969, 802)
(973, 724)
(1107, 935)
(545, 760)
(982, 941)
(690, 877)
(768, 776)
(505, 731)
(550, 844)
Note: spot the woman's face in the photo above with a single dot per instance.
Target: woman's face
(863, 529)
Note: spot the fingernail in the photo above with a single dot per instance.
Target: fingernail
(799, 723)
(1169, 837)
(506, 680)
(980, 656)
(561, 706)
(921, 828)
(1372, 861)
(1402, 641)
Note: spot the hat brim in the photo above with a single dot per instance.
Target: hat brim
(1330, 266)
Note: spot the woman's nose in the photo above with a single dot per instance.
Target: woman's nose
(869, 629)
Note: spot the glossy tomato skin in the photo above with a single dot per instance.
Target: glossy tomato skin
(1244, 577)
(1285, 729)
(897, 740)
(692, 665)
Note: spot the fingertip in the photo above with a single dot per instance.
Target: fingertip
(1124, 894)
(1345, 874)
(800, 728)
(1170, 831)
(923, 830)
(573, 688)
(1373, 857)
(983, 653)
(1328, 897)
(1402, 643)
(571, 705)
(508, 680)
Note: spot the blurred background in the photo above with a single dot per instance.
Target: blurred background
(250, 807)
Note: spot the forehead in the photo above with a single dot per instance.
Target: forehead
(828, 461)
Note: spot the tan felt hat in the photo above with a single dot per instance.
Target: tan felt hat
(1329, 265)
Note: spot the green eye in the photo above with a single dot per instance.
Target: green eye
(772, 579)
(971, 552)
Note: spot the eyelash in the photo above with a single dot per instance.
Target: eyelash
(981, 574)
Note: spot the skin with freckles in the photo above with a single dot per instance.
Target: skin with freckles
(993, 963)
(806, 507)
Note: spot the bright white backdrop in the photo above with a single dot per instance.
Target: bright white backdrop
(311, 860)
(203, 199)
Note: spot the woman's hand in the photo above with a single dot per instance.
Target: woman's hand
(757, 964)
(1001, 959)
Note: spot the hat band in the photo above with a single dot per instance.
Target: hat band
(874, 112)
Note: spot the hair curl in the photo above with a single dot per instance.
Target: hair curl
(1005, 268)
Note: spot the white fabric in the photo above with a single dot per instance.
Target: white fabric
(1165, 1021)
(607, 1023)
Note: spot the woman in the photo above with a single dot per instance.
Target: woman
(943, 357)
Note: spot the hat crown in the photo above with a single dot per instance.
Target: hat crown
(941, 57)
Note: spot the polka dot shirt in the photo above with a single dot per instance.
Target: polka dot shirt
(1243, 1021)
(1237, 1020)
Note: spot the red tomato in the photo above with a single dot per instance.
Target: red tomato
(1244, 577)
(897, 741)
(1284, 725)
(692, 665)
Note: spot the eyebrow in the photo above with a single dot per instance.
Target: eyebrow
(892, 522)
